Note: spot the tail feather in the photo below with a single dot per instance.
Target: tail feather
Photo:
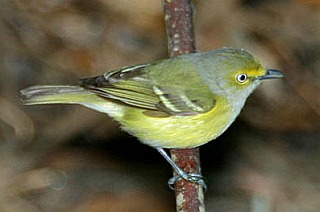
(64, 94)
(54, 94)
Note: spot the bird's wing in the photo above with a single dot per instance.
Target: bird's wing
(133, 87)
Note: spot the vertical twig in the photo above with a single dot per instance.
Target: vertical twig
(180, 33)
(179, 24)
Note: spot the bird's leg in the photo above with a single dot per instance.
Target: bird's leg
(181, 174)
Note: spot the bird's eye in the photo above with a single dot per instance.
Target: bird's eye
(241, 78)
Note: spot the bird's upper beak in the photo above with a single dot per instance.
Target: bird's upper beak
(271, 74)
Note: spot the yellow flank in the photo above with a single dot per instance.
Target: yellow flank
(179, 131)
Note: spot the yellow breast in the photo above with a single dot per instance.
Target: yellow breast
(179, 131)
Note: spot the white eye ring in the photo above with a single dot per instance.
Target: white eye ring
(241, 78)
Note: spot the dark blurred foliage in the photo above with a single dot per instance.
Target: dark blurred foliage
(69, 158)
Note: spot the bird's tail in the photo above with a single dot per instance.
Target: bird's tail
(54, 94)
(65, 94)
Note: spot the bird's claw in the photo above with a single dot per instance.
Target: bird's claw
(196, 178)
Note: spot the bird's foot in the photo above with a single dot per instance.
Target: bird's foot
(195, 178)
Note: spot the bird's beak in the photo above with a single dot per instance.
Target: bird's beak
(271, 74)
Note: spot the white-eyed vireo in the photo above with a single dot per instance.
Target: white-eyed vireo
(180, 102)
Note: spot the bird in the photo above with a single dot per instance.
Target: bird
(180, 102)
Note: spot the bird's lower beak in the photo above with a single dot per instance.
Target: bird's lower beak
(271, 74)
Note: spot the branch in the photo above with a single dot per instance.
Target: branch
(179, 24)
(180, 34)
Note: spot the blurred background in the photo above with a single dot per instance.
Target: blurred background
(69, 158)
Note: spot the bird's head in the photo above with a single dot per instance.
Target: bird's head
(234, 73)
